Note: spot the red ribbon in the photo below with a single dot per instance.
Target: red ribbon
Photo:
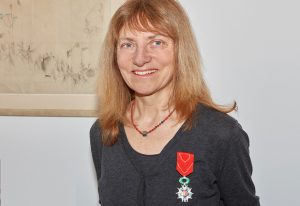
(185, 163)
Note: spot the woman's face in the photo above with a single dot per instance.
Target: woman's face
(146, 61)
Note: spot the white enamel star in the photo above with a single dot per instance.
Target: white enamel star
(184, 193)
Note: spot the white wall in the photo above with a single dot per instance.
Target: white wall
(249, 50)
(46, 161)
(251, 54)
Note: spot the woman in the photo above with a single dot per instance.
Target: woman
(160, 139)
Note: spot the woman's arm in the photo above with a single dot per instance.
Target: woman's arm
(235, 183)
(96, 147)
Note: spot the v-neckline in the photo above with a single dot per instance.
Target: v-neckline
(169, 143)
(165, 152)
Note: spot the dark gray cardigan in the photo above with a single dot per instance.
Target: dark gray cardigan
(222, 168)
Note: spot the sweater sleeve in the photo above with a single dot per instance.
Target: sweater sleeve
(236, 185)
(96, 147)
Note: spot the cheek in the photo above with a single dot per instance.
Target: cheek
(166, 58)
(119, 60)
(169, 64)
(123, 61)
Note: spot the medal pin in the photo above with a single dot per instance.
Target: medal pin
(184, 166)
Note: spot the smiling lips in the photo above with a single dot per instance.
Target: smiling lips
(146, 72)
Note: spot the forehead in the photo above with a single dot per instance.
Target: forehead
(130, 33)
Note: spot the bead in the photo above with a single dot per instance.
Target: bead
(145, 133)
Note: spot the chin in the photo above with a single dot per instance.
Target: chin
(146, 92)
(143, 94)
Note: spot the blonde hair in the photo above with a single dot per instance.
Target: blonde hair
(166, 17)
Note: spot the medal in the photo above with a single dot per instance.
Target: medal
(185, 166)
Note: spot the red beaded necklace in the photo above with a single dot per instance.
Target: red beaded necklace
(145, 133)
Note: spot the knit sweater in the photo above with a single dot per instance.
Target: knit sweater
(221, 172)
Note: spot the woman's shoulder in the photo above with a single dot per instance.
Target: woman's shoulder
(95, 132)
(218, 124)
(212, 116)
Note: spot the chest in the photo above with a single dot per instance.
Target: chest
(160, 184)
(155, 141)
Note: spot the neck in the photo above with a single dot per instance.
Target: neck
(151, 108)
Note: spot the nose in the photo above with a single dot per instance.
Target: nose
(141, 56)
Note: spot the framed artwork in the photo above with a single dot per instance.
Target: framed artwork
(49, 55)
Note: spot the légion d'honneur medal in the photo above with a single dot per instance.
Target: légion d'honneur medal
(185, 166)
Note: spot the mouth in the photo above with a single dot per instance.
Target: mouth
(146, 72)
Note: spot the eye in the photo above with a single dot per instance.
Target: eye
(157, 43)
(126, 45)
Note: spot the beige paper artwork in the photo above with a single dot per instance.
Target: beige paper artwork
(51, 46)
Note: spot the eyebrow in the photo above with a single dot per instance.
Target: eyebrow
(149, 37)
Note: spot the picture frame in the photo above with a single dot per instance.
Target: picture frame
(85, 33)
(60, 105)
